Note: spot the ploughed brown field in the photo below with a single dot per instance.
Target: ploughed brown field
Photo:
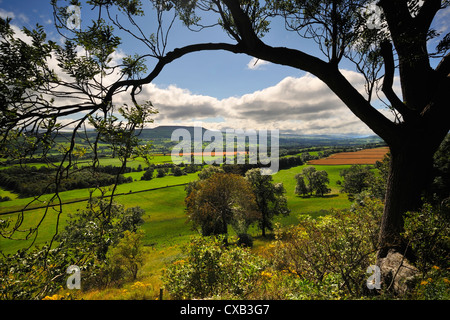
(367, 156)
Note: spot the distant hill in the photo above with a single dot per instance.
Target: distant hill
(164, 132)
(162, 135)
(288, 139)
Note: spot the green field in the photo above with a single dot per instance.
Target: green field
(165, 220)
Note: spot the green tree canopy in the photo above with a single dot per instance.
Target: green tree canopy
(270, 198)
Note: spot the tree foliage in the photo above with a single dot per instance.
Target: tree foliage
(311, 180)
(221, 200)
(270, 198)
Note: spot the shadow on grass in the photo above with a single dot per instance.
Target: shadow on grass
(325, 196)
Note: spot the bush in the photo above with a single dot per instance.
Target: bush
(245, 240)
(213, 269)
(128, 255)
(161, 172)
(337, 247)
(148, 174)
(427, 231)
(177, 171)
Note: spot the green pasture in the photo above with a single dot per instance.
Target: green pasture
(165, 218)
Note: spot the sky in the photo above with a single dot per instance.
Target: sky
(226, 90)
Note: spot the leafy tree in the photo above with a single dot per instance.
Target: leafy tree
(310, 180)
(161, 172)
(148, 174)
(321, 181)
(177, 171)
(99, 226)
(221, 200)
(356, 179)
(300, 187)
(203, 175)
(439, 191)
(128, 254)
(270, 198)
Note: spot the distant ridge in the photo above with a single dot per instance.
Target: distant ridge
(165, 133)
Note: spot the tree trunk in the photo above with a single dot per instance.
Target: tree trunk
(409, 174)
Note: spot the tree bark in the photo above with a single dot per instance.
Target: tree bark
(409, 174)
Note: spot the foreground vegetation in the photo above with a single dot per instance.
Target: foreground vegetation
(321, 250)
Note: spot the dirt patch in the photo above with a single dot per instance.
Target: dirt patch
(367, 156)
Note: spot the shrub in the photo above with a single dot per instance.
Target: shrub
(213, 269)
(161, 172)
(148, 174)
(339, 246)
(427, 231)
(128, 255)
(177, 171)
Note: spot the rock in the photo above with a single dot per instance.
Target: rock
(397, 273)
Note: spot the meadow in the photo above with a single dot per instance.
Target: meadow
(166, 228)
(165, 220)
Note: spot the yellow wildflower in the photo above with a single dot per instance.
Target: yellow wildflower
(53, 297)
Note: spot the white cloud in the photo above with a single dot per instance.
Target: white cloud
(255, 64)
(304, 105)
(6, 14)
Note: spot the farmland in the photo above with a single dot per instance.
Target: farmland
(163, 198)
(366, 156)
(165, 225)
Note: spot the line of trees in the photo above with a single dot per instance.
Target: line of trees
(30, 182)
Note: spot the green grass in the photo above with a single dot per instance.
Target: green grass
(311, 205)
(165, 220)
(165, 226)
(165, 207)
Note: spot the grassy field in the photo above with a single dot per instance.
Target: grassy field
(165, 223)
(166, 229)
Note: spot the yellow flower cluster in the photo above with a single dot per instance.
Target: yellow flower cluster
(425, 282)
(139, 285)
(56, 297)
(178, 262)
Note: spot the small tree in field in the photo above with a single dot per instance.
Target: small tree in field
(356, 179)
(301, 188)
(310, 180)
(270, 198)
(128, 255)
(220, 200)
(321, 181)
(148, 174)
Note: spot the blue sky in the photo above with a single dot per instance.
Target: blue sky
(223, 89)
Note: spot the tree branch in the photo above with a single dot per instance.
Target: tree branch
(243, 24)
(443, 67)
(168, 58)
(427, 12)
(389, 67)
